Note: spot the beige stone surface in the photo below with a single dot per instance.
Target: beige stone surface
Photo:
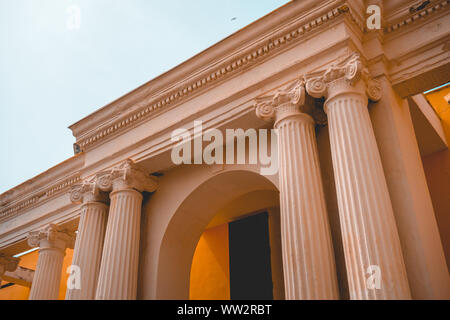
(376, 209)
(90, 237)
(52, 242)
(308, 257)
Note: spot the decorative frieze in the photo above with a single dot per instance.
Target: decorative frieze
(53, 190)
(417, 15)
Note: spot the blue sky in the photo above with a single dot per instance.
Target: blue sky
(55, 71)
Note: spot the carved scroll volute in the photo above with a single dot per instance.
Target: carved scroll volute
(84, 192)
(292, 96)
(350, 70)
(52, 233)
(315, 85)
(127, 175)
(297, 95)
(373, 87)
(104, 181)
(264, 109)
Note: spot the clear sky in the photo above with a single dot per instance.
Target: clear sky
(60, 60)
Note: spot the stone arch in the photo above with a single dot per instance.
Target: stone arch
(190, 219)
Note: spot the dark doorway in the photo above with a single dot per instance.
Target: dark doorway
(250, 269)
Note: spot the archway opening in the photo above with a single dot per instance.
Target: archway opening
(238, 256)
(202, 222)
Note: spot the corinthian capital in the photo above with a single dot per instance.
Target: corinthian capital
(286, 101)
(7, 263)
(86, 192)
(341, 76)
(127, 175)
(53, 236)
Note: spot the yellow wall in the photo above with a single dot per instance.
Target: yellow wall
(18, 292)
(437, 171)
(210, 275)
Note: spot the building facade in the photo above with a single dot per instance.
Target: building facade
(358, 207)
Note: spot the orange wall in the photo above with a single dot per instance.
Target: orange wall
(210, 275)
(18, 292)
(437, 171)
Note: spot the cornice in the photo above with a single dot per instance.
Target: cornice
(12, 209)
(271, 44)
(411, 18)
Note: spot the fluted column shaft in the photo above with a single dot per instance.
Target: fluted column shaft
(52, 242)
(88, 249)
(373, 255)
(369, 232)
(47, 276)
(308, 257)
(119, 266)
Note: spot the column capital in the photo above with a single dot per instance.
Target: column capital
(7, 263)
(288, 101)
(126, 175)
(347, 76)
(85, 192)
(52, 236)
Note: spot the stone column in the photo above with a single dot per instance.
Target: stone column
(7, 263)
(308, 258)
(89, 243)
(119, 266)
(371, 243)
(52, 242)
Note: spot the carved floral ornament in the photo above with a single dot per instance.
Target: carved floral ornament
(52, 232)
(297, 96)
(293, 95)
(8, 263)
(84, 192)
(351, 70)
(289, 100)
(127, 175)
